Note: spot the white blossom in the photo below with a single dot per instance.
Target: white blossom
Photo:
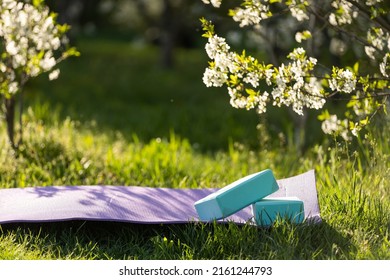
(344, 13)
(251, 14)
(332, 19)
(344, 82)
(355, 130)
(370, 52)
(215, 3)
(377, 37)
(11, 48)
(54, 74)
(236, 99)
(378, 40)
(301, 36)
(292, 87)
(372, 2)
(330, 125)
(214, 78)
(30, 36)
(13, 87)
(333, 125)
(344, 132)
(8, 4)
(215, 45)
(298, 10)
(261, 106)
(3, 68)
(224, 61)
(268, 76)
(252, 78)
(296, 53)
(47, 62)
(384, 66)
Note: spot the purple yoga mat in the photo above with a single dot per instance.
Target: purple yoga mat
(133, 204)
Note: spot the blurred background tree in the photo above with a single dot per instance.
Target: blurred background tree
(165, 23)
(31, 43)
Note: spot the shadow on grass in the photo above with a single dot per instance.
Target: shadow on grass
(110, 240)
(326, 242)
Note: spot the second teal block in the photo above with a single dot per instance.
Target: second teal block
(236, 196)
(267, 210)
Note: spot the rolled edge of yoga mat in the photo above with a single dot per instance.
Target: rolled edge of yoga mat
(267, 210)
(236, 196)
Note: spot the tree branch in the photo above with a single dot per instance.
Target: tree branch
(379, 20)
(343, 31)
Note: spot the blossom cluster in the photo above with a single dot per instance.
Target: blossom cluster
(384, 66)
(344, 12)
(333, 125)
(342, 80)
(300, 82)
(378, 40)
(298, 9)
(251, 13)
(226, 69)
(215, 3)
(30, 40)
(293, 83)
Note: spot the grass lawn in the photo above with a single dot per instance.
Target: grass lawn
(114, 117)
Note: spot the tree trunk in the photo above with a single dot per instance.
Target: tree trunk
(168, 30)
(299, 122)
(10, 119)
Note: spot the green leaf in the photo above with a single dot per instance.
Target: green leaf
(365, 121)
(251, 92)
(352, 102)
(37, 3)
(63, 28)
(207, 27)
(231, 13)
(233, 80)
(324, 115)
(72, 52)
(356, 68)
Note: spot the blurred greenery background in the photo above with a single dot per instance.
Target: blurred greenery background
(140, 73)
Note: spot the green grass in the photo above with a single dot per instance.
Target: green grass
(116, 118)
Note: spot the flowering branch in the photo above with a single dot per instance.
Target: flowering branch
(302, 82)
(31, 43)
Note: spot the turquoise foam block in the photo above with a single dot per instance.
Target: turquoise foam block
(236, 196)
(267, 210)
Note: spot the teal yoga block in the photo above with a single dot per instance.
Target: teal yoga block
(267, 210)
(236, 196)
